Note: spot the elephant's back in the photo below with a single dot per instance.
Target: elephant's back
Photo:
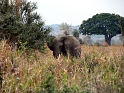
(73, 45)
(68, 40)
(71, 42)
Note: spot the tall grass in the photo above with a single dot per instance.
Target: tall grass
(99, 70)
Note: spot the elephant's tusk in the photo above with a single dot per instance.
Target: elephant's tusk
(58, 57)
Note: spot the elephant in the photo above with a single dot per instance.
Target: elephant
(65, 45)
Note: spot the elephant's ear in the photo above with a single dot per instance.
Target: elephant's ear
(62, 39)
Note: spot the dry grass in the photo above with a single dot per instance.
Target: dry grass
(99, 70)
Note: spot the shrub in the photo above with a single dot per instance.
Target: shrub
(20, 25)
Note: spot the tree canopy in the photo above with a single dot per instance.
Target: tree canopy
(20, 24)
(102, 24)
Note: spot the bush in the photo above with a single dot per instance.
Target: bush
(20, 25)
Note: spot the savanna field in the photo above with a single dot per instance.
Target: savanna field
(99, 70)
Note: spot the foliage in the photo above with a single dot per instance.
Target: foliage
(66, 28)
(47, 86)
(76, 33)
(99, 70)
(19, 24)
(81, 41)
(102, 24)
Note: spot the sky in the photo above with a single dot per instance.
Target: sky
(73, 12)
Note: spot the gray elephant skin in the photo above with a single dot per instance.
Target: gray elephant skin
(65, 45)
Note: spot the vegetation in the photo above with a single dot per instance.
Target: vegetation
(76, 33)
(99, 70)
(20, 25)
(66, 28)
(103, 24)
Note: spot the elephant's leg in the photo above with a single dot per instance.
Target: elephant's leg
(64, 52)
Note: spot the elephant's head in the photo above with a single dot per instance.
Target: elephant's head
(56, 45)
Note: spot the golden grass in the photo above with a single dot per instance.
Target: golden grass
(99, 70)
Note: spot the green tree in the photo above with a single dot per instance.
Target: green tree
(20, 24)
(102, 24)
(76, 33)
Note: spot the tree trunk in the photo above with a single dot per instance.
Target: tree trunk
(108, 39)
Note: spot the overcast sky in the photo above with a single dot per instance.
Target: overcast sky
(74, 12)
